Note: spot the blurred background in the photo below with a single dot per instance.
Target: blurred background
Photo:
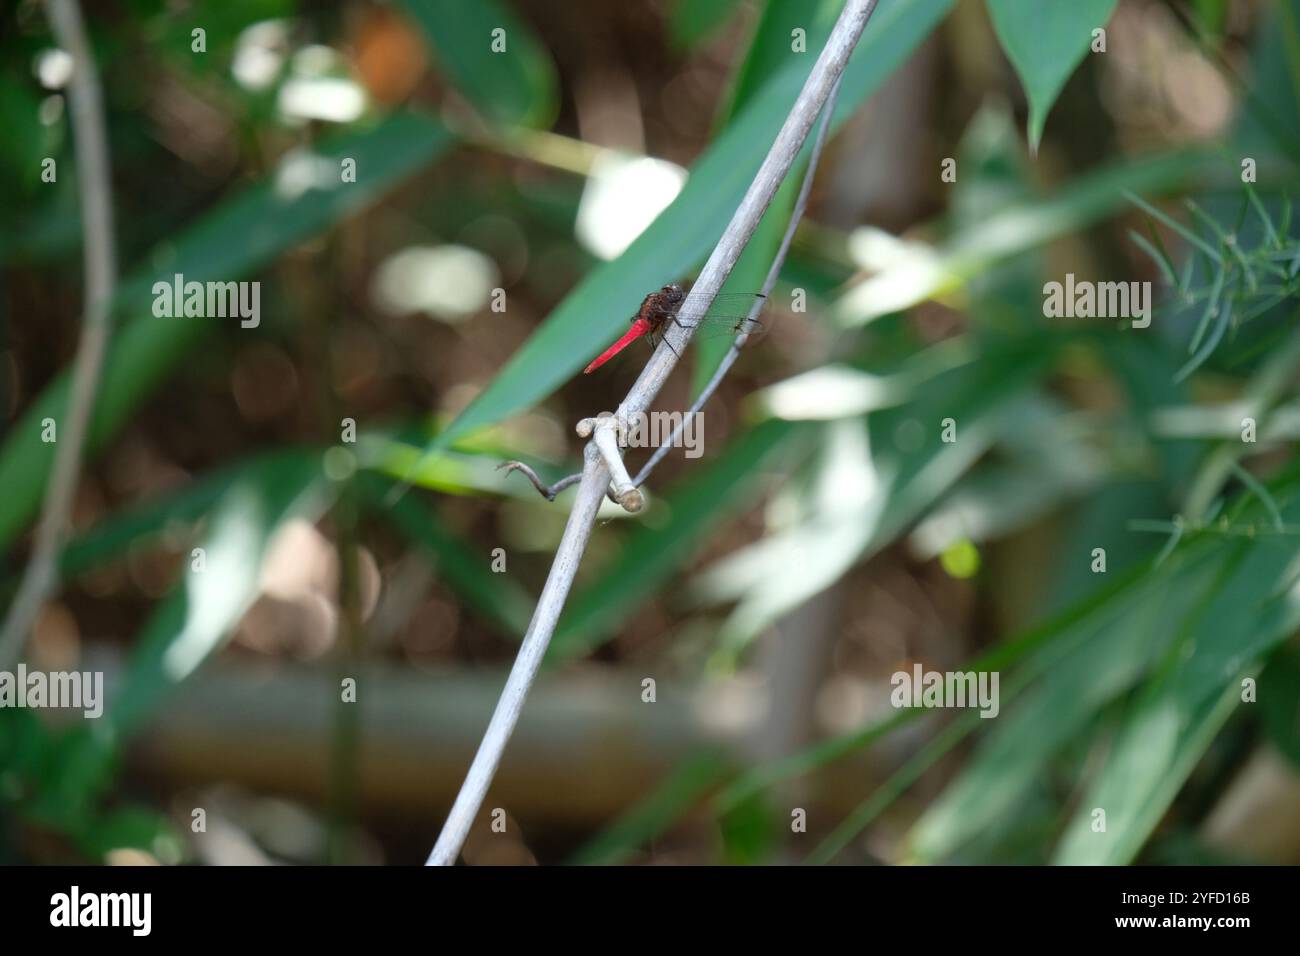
(300, 659)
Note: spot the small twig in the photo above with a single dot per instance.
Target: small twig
(91, 143)
(547, 491)
(1254, 530)
(594, 484)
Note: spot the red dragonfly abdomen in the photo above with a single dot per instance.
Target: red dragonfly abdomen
(639, 328)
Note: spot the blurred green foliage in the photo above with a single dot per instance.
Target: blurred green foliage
(1113, 694)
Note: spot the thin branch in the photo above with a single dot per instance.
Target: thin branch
(547, 491)
(595, 479)
(794, 132)
(728, 360)
(91, 142)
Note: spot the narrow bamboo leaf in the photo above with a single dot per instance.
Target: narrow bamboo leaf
(1045, 42)
(684, 787)
(1261, 494)
(1086, 665)
(889, 791)
(692, 22)
(1207, 622)
(1265, 219)
(900, 484)
(1280, 702)
(746, 786)
(786, 30)
(304, 197)
(112, 538)
(748, 276)
(1211, 310)
(449, 472)
(194, 622)
(493, 58)
(1012, 230)
(1174, 721)
(1222, 319)
(1001, 657)
(499, 598)
(1158, 256)
(1187, 234)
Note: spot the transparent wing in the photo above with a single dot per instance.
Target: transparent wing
(718, 326)
(727, 315)
(730, 305)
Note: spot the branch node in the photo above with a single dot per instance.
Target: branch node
(607, 433)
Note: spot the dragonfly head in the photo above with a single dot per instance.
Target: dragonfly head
(673, 294)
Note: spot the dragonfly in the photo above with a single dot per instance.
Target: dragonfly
(728, 314)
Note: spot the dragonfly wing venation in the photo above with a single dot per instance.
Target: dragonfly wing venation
(737, 306)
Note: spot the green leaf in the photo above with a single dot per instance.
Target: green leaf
(685, 232)
(772, 46)
(500, 599)
(652, 816)
(77, 768)
(202, 611)
(515, 85)
(1044, 458)
(452, 472)
(1271, 118)
(1045, 42)
(29, 141)
(112, 537)
(750, 833)
(654, 552)
(889, 791)
(754, 781)
(1280, 702)
(1013, 229)
(1091, 659)
(748, 276)
(303, 198)
(1181, 634)
(749, 784)
(1212, 15)
(896, 483)
(136, 828)
(691, 22)
(1253, 606)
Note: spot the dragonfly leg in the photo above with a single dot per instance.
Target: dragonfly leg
(656, 339)
(678, 322)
